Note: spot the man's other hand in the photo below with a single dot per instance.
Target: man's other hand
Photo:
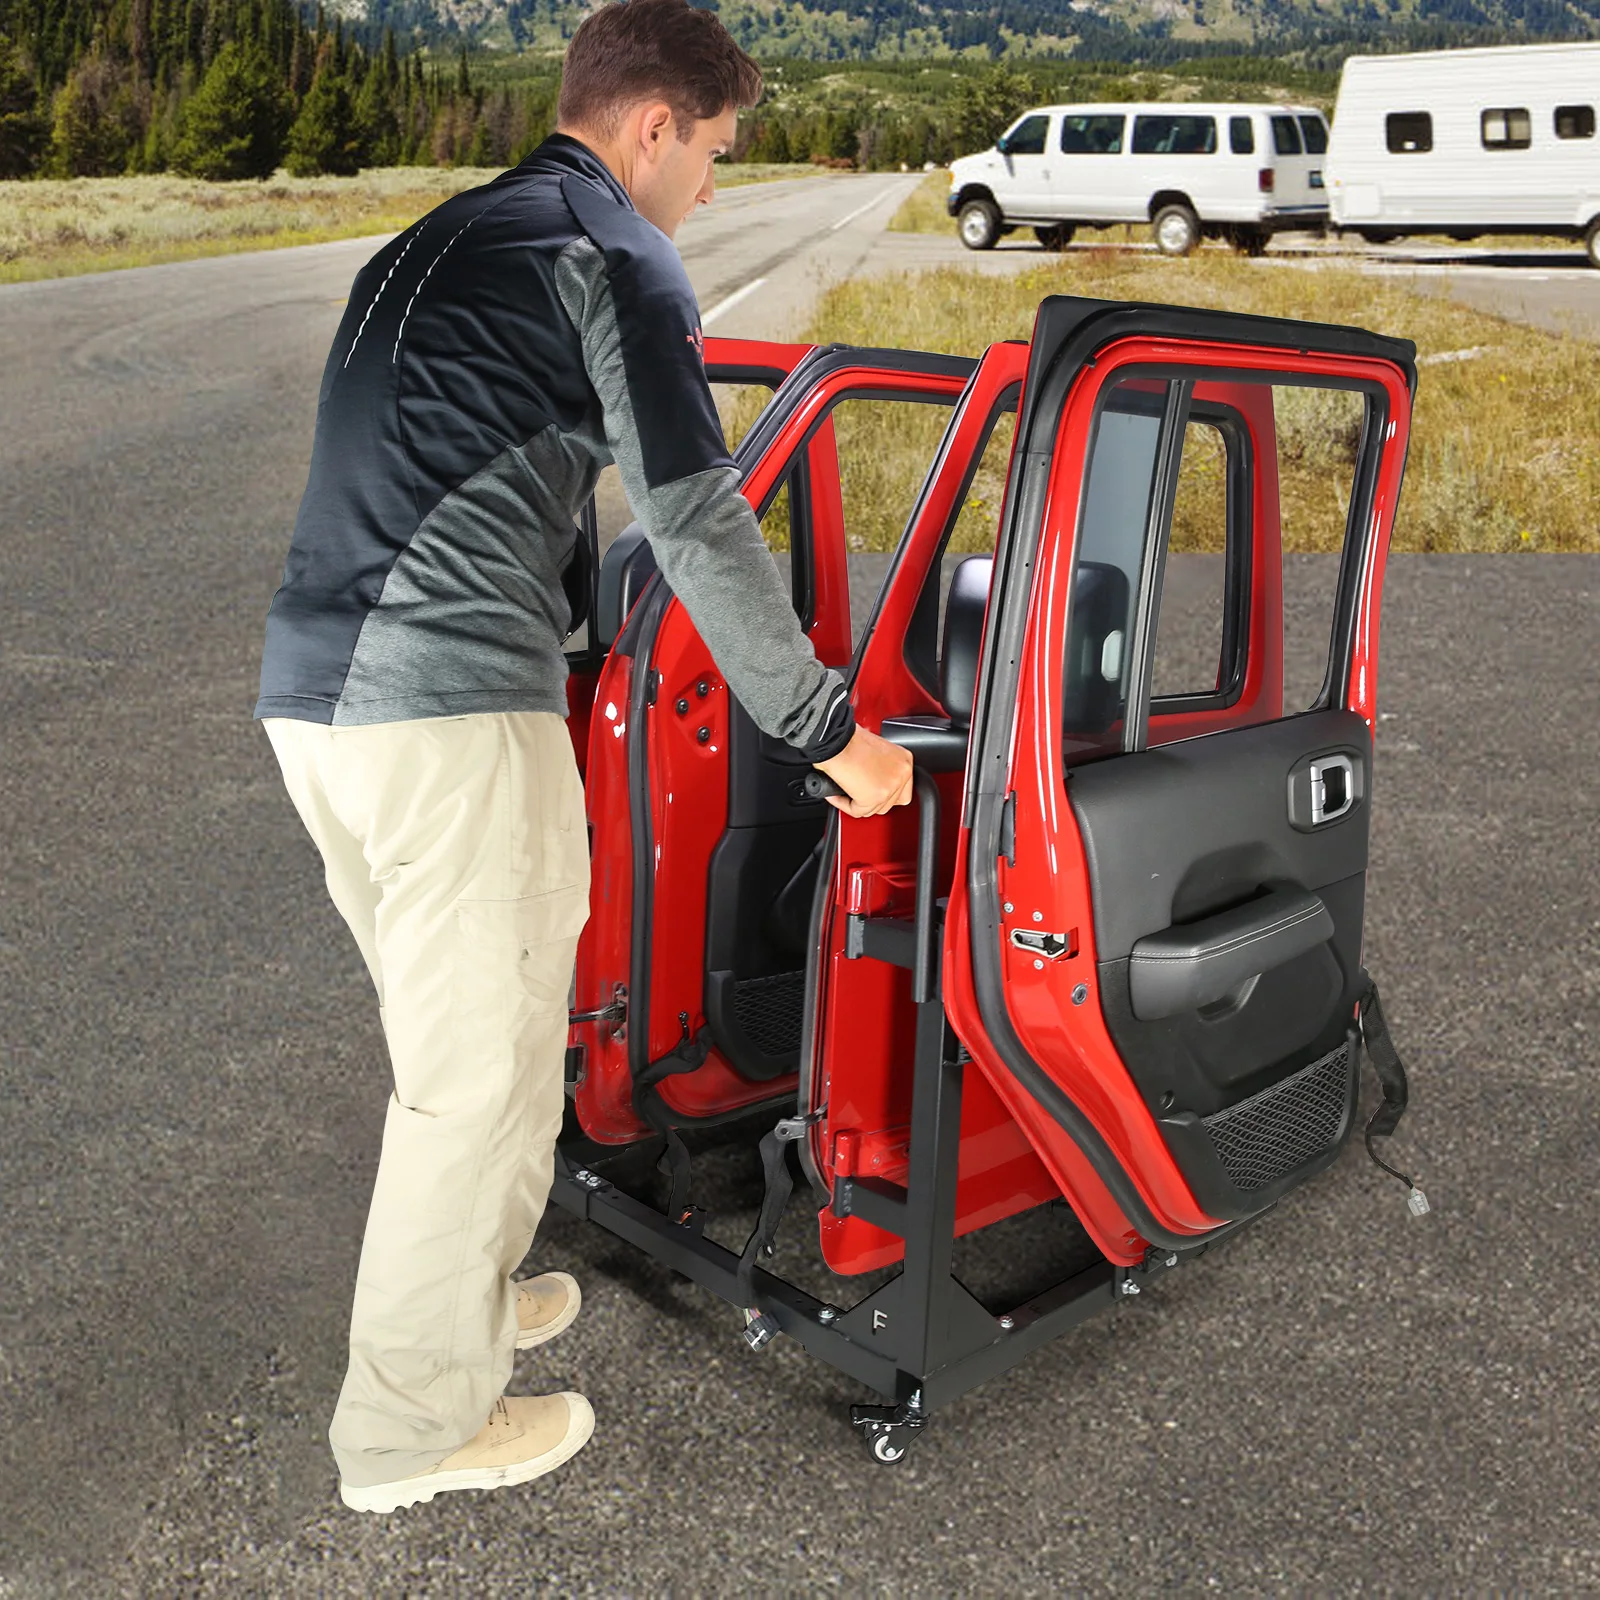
(874, 774)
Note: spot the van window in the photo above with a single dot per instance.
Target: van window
(1028, 137)
(1507, 128)
(1286, 136)
(1409, 133)
(1316, 135)
(1574, 122)
(1174, 136)
(1092, 136)
(1241, 136)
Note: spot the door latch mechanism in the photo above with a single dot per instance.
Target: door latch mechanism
(1049, 945)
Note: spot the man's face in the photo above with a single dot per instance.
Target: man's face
(672, 176)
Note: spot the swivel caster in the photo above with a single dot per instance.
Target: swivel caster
(888, 1430)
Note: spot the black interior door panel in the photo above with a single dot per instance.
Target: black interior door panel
(1200, 854)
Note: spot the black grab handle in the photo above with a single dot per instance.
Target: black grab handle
(819, 786)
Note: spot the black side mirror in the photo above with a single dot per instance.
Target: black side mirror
(1001, 145)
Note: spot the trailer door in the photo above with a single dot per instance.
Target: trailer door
(1154, 939)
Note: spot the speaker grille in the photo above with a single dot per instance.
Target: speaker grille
(1267, 1136)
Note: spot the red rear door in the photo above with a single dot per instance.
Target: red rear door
(1153, 943)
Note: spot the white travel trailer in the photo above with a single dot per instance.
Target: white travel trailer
(1240, 172)
(1466, 142)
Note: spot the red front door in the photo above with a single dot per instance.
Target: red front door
(704, 846)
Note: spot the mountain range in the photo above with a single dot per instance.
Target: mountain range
(1105, 29)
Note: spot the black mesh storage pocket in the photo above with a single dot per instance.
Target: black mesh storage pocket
(1267, 1136)
(768, 1011)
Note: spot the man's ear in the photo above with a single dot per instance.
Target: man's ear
(656, 129)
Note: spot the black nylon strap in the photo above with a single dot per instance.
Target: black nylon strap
(778, 1185)
(1391, 1074)
(653, 1110)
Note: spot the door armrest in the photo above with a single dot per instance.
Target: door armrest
(1183, 968)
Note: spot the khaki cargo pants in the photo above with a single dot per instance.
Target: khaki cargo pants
(456, 850)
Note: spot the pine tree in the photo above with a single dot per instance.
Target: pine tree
(233, 124)
(24, 133)
(96, 125)
(326, 136)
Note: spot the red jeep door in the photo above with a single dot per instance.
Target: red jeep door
(1153, 942)
(704, 842)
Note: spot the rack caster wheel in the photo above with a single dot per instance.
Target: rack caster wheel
(888, 1430)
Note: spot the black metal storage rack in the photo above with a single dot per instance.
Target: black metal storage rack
(921, 1339)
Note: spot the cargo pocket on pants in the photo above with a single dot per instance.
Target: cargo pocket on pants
(531, 936)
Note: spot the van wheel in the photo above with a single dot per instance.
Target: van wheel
(1591, 243)
(1176, 229)
(979, 224)
(1055, 237)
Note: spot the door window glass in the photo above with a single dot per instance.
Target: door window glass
(1507, 128)
(1318, 434)
(739, 405)
(885, 450)
(1574, 122)
(1189, 629)
(1286, 136)
(1408, 133)
(1028, 137)
(1315, 131)
(1241, 136)
(1159, 614)
(1174, 136)
(1092, 136)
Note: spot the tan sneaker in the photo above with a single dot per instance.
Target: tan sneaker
(546, 1306)
(525, 1436)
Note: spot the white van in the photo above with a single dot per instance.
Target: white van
(1464, 142)
(1239, 172)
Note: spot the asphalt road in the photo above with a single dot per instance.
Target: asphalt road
(193, 1085)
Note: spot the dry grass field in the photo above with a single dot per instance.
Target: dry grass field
(1505, 451)
(51, 229)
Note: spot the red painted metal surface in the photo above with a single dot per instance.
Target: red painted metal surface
(866, 1040)
(604, 1090)
(1050, 876)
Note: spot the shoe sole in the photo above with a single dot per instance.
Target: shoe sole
(393, 1496)
(569, 1315)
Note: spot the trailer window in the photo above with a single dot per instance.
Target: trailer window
(1316, 135)
(1574, 122)
(1286, 136)
(1507, 128)
(1409, 133)
(1241, 136)
(1027, 138)
(1174, 136)
(1092, 136)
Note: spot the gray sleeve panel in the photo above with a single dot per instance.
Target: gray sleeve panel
(708, 546)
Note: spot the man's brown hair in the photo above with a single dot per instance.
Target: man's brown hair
(633, 50)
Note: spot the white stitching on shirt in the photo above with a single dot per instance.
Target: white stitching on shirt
(381, 287)
(424, 278)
